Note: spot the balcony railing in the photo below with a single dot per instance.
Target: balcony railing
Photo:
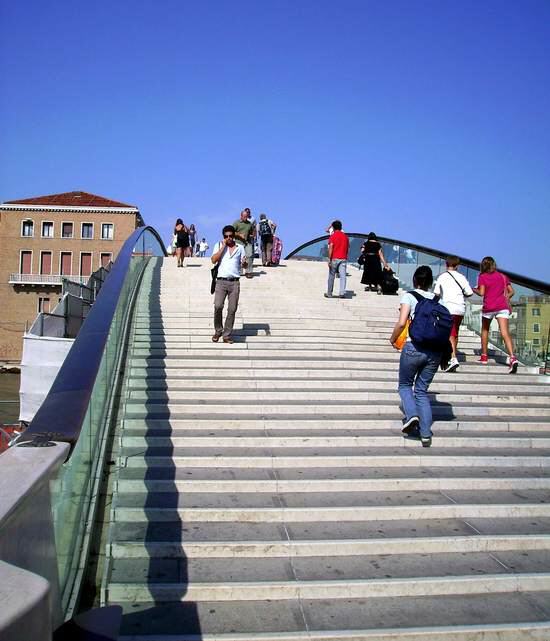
(45, 279)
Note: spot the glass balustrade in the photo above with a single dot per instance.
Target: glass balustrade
(75, 488)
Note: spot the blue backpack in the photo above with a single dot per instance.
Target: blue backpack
(431, 325)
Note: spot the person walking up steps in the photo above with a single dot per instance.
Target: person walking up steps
(192, 239)
(244, 235)
(371, 259)
(429, 332)
(182, 241)
(266, 230)
(496, 291)
(338, 247)
(230, 258)
(452, 287)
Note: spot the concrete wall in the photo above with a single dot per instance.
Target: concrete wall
(27, 542)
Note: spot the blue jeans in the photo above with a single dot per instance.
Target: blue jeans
(338, 265)
(416, 371)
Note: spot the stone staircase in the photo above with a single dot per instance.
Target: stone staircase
(263, 489)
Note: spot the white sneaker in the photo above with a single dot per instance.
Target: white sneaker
(452, 366)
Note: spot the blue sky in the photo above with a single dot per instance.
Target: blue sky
(422, 120)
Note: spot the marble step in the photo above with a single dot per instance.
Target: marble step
(293, 360)
(330, 395)
(257, 371)
(324, 568)
(331, 514)
(472, 425)
(419, 586)
(222, 439)
(421, 619)
(203, 338)
(287, 331)
(282, 458)
(330, 490)
(329, 548)
(143, 532)
(244, 384)
(344, 409)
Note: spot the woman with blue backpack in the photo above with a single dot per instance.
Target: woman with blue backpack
(429, 325)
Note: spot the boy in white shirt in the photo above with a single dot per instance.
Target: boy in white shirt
(451, 286)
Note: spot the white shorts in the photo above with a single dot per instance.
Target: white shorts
(504, 313)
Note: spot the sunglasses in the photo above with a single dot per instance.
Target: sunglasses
(229, 235)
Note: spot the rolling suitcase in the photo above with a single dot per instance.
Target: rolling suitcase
(276, 251)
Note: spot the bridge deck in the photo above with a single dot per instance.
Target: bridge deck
(264, 488)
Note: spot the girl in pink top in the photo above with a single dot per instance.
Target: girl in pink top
(496, 291)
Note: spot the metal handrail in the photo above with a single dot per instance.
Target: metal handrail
(525, 281)
(61, 415)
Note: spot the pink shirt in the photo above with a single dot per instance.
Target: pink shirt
(494, 299)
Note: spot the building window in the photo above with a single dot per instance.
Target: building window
(46, 262)
(67, 230)
(43, 305)
(107, 231)
(535, 311)
(106, 258)
(87, 230)
(27, 228)
(536, 328)
(25, 266)
(66, 261)
(47, 229)
(85, 264)
(536, 342)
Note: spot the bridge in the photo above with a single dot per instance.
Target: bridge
(171, 488)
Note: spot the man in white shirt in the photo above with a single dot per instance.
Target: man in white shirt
(230, 257)
(203, 246)
(452, 287)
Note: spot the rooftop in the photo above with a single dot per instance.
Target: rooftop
(70, 199)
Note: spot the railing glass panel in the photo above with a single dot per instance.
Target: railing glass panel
(89, 395)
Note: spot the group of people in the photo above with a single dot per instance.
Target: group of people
(371, 258)
(441, 312)
(234, 255)
(427, 329)
(432, 341)
(185, 242)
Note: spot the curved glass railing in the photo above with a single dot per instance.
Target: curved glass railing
(530, 321)
(79, 408)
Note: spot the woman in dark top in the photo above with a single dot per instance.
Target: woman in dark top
(182, 240)
(371, 258)
(192, 239)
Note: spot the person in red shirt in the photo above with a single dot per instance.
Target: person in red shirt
(338, 246)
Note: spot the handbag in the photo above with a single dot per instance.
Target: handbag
(402, 338)
(214, 272)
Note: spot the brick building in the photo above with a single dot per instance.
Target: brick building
(45, 239)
